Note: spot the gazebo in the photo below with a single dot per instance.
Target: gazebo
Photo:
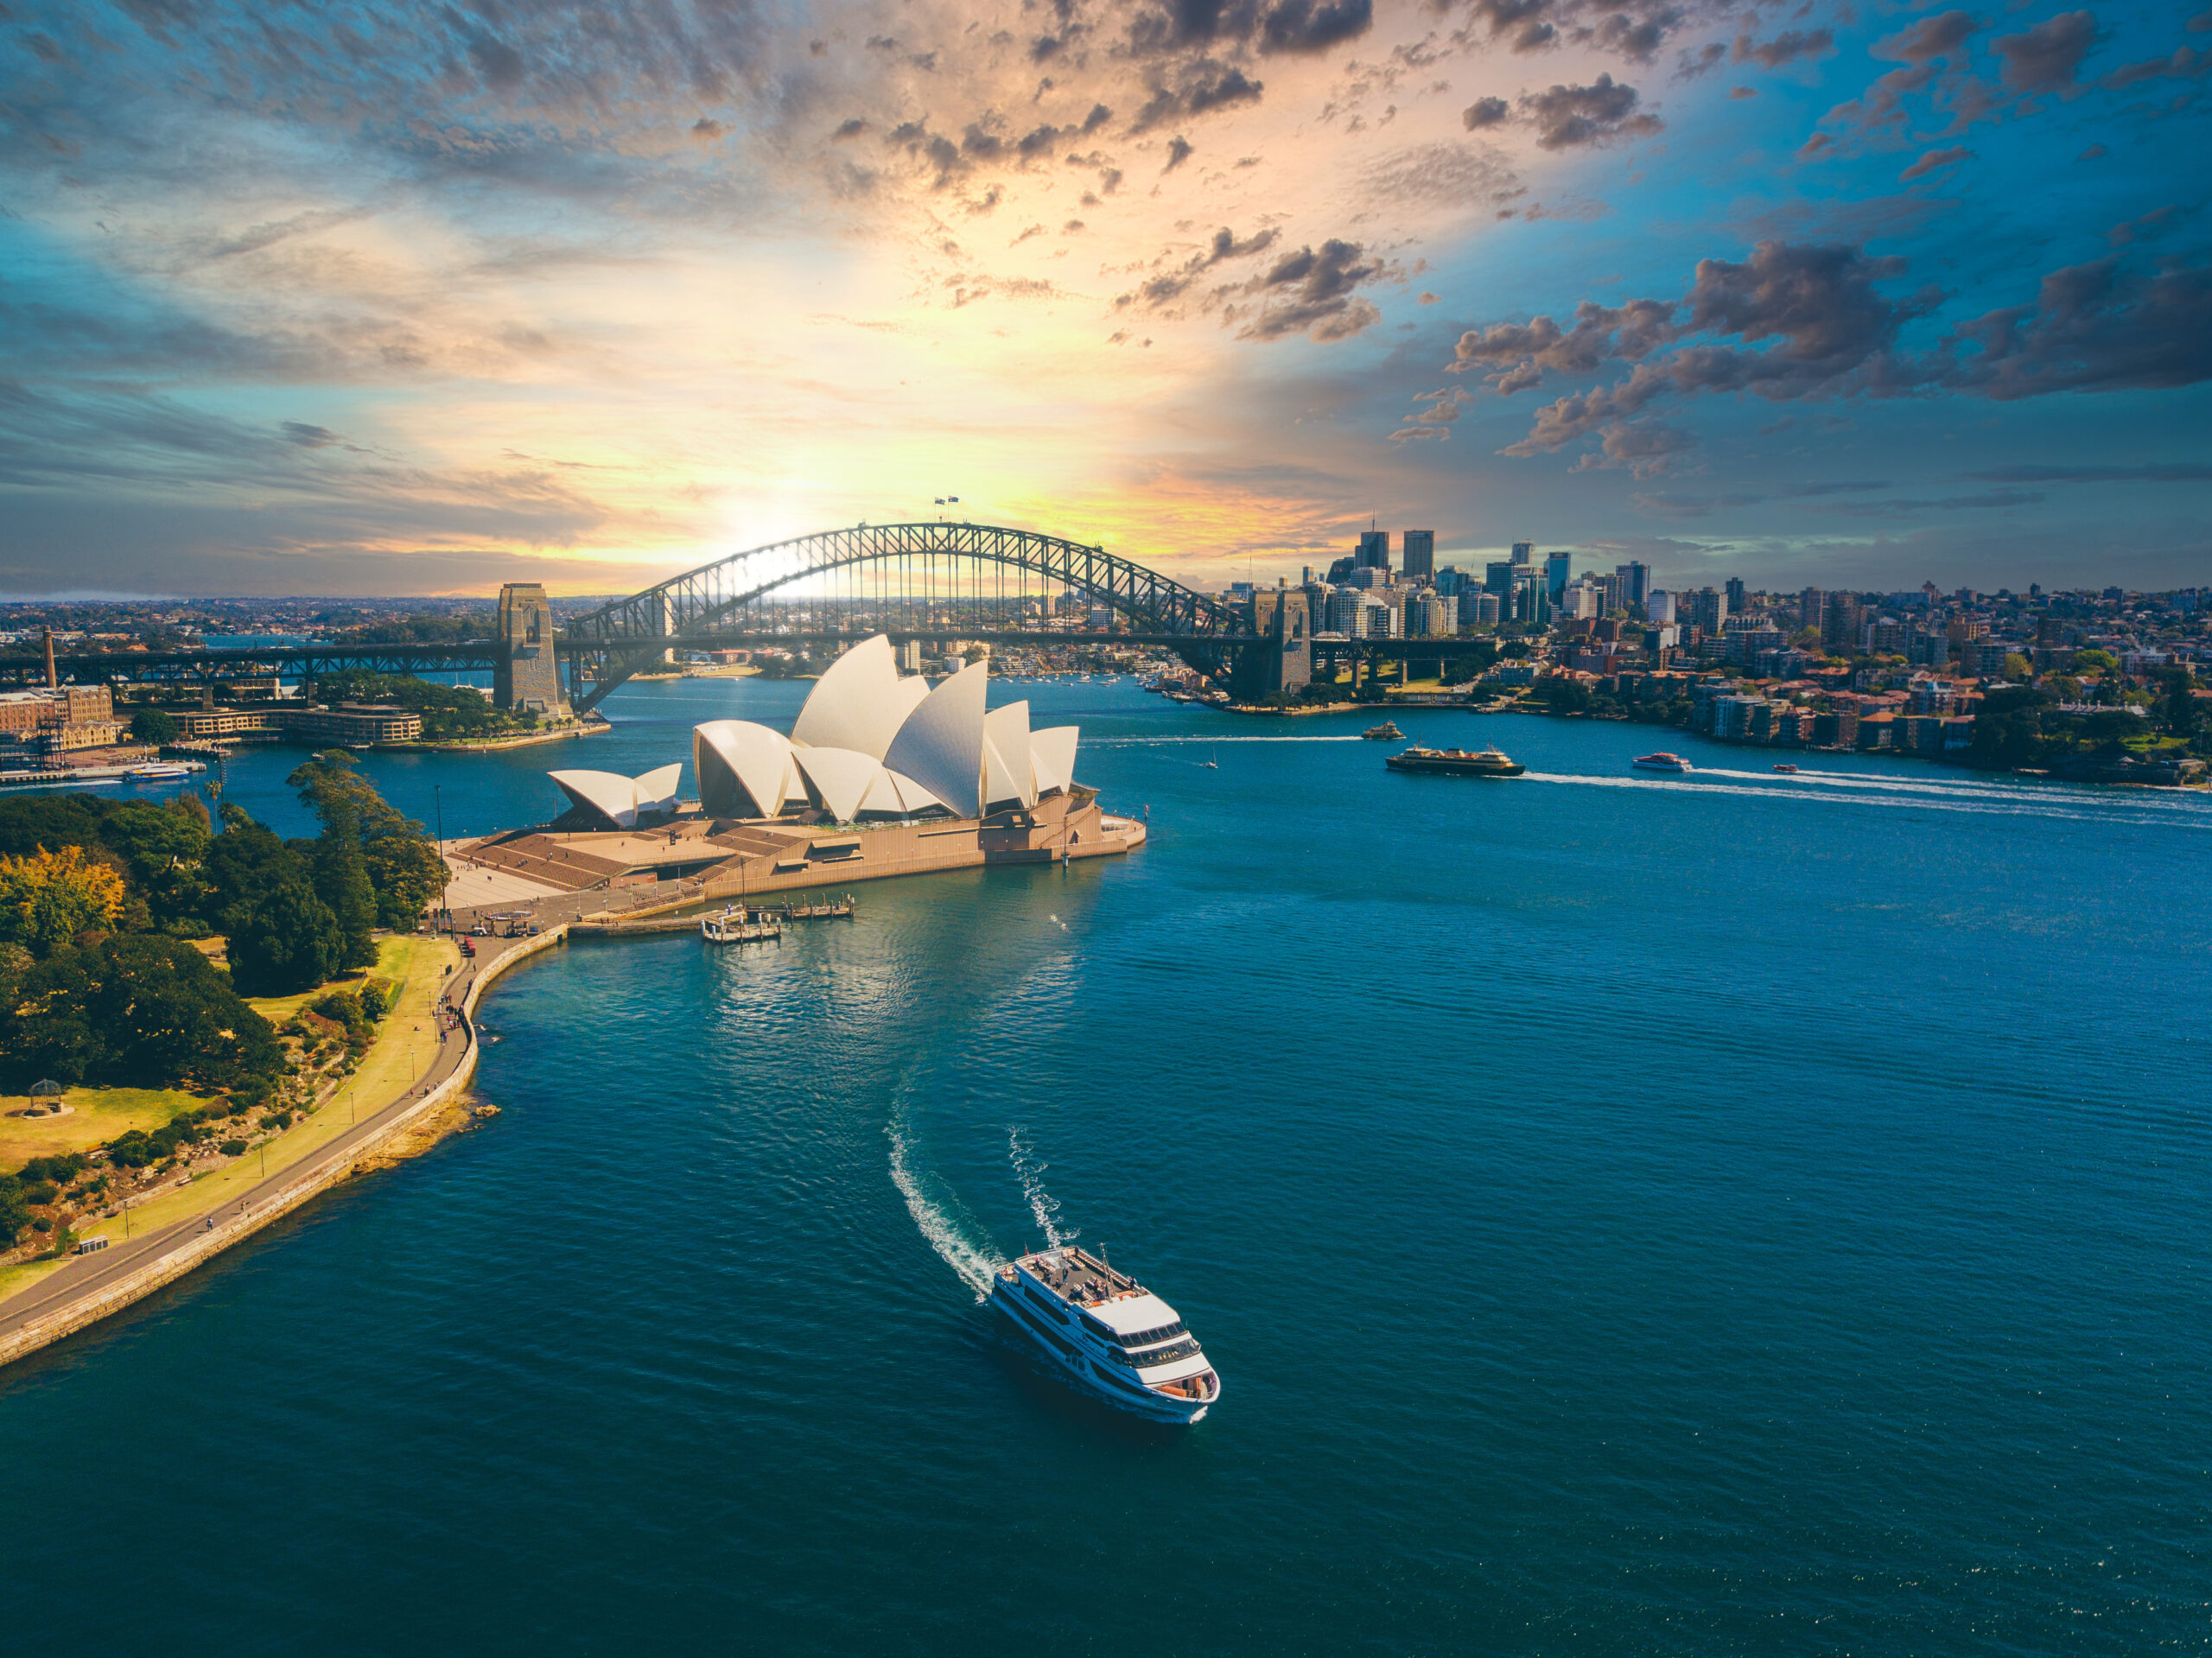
(47, 1095)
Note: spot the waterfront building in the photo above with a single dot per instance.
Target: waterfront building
(617, 802)
(1418, 554)
(870, 743)
(350, 725)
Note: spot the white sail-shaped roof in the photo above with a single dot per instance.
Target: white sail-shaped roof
(840, 778)
(1052, 757)
(941, 744)
(619, 799)
(857, 704)
(1005, 737)
(744, 769)
(897, 796)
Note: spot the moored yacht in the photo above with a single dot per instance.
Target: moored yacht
(1114, 1337)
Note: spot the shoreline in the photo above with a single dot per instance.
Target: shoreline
(107, 1281)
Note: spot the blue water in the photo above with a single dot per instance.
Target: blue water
(1631, 1214)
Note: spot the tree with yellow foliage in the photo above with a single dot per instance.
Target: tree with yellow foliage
(49, 898)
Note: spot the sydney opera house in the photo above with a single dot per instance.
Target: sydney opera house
(880, 774)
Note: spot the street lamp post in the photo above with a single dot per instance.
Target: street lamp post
(445, 869)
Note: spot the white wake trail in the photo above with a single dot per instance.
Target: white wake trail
(1031, 1173)
(976, 1267)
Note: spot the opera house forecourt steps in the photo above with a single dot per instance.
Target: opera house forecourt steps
(880, 774)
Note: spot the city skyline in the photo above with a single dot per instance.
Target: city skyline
(401, 300)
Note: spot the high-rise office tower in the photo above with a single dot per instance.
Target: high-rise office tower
(1735, 595)
(1634, 580)
(1659, 606)
(1555, 574)
(1374, 551)
(1524, 552)
(1418, 554)
(1810, 605)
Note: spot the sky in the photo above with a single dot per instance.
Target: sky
(388, 296)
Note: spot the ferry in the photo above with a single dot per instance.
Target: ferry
(158, 771)
(1790, 771)
(1387, 732)
(1114, 1337)
(1456, 763)
(1662, 761)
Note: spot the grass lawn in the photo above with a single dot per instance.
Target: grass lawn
(97, 1116)
(403, 1050)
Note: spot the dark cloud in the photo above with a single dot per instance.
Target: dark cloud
(1179, 151)
(2142, 474)
(1485, 113)
(706, 130)
(1190, 88)
(1704, 60)
(1785, 47)
(1171, 285)
(1306, 26)
(309, 437)
(2098, 327)
(1566, 118)
(1940, 36)
(1314, 293)
(2185, 64)
(2047, 58)
(1935, 161)
(851, 129)
(2156, 223)
(1809, 322)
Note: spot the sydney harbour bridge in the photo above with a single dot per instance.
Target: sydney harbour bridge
(936, 582)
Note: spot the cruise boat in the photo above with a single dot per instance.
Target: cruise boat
(157, 772)
(1110, 1335)
(1456, 763)
(1662, 761)
(1387, 732)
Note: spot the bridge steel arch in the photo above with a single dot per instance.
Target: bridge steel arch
(606, 646)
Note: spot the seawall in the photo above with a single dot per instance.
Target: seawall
(299, 1186)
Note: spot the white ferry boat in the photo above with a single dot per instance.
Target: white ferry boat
(1663, 761)
(1114, 1338)
(158, 771)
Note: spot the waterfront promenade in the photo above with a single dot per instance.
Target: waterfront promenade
(86, 1288)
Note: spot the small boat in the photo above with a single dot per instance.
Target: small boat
(1455, 763)
(1789, 770)
(1112, 1336)
(160, 772)
(1662, 761)
(1387, 732)
(1212, 762)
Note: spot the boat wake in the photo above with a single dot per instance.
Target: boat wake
(2125, 808)
(1031, 1173)
(974, 1265)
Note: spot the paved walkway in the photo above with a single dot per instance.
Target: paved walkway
(84, 1275)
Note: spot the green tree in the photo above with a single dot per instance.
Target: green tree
(1563, 694)
(2017, 667)
(2008, 728)
(1474, 661)
(152, 726)
(404, 869)
(49, 898)
(285, 939)
(341, 880)
(2181, 710)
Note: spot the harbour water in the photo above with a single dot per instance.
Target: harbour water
(1729, 1213)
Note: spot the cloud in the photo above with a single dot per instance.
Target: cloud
(2047, 58)
(1646, 448)
(306, 436)
(1192, 87)
(2185, 64)
(2098, 327)
(1179, 151)
(1306, 26)
(1785, 47)
(1823, 328)
(1485, 113)
(1935, 161)
(1568, 116)
(2149, 473)
(1313, 294)
(2156, 223)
